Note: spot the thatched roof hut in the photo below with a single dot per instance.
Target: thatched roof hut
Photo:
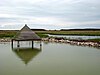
(26, 34)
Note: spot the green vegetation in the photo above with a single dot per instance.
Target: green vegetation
(7, 33)
(95, 40)
(11, 33)
(42, 35)
(81, 33)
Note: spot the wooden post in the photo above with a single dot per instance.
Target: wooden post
(12, 44)
(18, 45)
(40, 45)
(32, 44)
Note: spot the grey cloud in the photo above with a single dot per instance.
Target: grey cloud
(64, 10)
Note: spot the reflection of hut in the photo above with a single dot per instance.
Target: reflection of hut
(26, 54)
(26, 34)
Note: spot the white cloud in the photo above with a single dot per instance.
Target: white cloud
(89, 23)
(57, 13)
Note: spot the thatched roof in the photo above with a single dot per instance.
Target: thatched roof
(26, 34)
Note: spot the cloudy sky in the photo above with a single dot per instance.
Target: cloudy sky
(49, 14)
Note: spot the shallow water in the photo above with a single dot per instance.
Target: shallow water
(53, 59)
(75, 36)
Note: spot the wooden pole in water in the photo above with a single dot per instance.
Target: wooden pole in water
(12, 44)
(40, 45)
(32, 44)
(18, 45)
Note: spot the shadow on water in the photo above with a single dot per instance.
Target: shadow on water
(26, 54)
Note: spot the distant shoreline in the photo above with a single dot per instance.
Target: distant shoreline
(43, 33)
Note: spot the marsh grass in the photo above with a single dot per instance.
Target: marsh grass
(12, 33)
(81, 33)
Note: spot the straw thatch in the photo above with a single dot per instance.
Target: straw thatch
(26, 34)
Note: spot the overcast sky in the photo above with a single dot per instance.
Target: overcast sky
(49, 14)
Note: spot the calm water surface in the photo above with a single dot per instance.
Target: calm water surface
(53, 59)
(75, 36)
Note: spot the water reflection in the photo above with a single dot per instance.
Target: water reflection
(26, 54)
